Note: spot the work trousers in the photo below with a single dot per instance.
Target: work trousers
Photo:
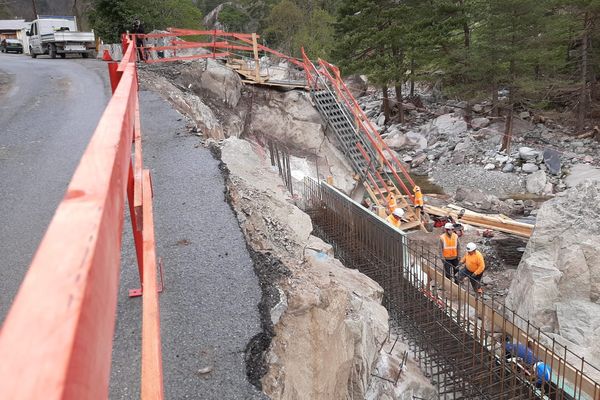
(474, 279)
(451, 268)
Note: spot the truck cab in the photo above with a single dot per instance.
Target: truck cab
(53, 35)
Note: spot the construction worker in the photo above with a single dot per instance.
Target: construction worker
(449, 248)
(391, 202)
(474, 265)
(418, 201)
(138, 29)
(395, 218)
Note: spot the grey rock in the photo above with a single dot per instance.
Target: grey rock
(524, 115)
(381, 120)
(486, 280)
(527, 153)
(489, 167)
(357, 84)
(458, 157)
(477, 108)
(552, 161)
(529, 168)
(418, 160)
(478, 123)
(536, 182)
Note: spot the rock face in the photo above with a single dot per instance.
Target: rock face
(557, 284)
(327, 322)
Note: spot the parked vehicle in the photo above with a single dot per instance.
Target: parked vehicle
(8, 45)
(59, 36)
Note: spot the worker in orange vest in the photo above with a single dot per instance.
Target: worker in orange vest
(419, 203)
(474, 267)
(449, 247)
(395, 218)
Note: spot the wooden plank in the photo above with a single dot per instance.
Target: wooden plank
(494, 222)
(255, 51)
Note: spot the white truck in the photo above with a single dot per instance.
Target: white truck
(55, 35)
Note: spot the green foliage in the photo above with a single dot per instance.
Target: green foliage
(4, 13)
(315, 35)
(235, 19)
(283, 23)
(110, 18)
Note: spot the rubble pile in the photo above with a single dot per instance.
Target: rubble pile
(437, 140)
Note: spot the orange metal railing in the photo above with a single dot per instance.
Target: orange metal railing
(56, 341)
(329, 74)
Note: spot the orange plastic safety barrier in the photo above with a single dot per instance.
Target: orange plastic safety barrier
(56, 342)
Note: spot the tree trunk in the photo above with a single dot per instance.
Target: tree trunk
(386, 103)
(398, 88)
(412, 77)
(507, 138)
(584, 95)
(495, 105)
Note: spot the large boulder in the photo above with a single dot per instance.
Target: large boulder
(557, 283)
(447, 125)
(213, 81)
(289, 118)
(552, 161)
(357, 84)
(580, 173)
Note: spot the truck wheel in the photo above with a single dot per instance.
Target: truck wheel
(84, 55)
(63, 55)
(52, 51)
(31, 53)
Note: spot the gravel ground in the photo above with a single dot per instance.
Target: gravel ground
(500, 184)
(209, 306)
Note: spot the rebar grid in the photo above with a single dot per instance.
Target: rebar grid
(456, 338)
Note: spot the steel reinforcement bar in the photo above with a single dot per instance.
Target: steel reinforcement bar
(56, 342)
(459, 340)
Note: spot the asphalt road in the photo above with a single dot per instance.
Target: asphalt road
(48, 111)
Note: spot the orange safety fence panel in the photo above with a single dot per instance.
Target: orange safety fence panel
(56, 341)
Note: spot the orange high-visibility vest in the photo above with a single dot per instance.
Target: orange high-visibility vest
(419, 199)
(394, 221)
(474, 262)
(450, 249)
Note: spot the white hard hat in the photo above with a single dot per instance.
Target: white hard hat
(449, 225)
(398, 212)
(471, 246)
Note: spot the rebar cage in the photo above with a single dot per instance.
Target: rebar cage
(459, 340)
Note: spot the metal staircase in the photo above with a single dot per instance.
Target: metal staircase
(384, 177)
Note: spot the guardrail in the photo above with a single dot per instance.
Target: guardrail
(56, 342)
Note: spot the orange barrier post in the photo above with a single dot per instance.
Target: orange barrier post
(152, 388)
